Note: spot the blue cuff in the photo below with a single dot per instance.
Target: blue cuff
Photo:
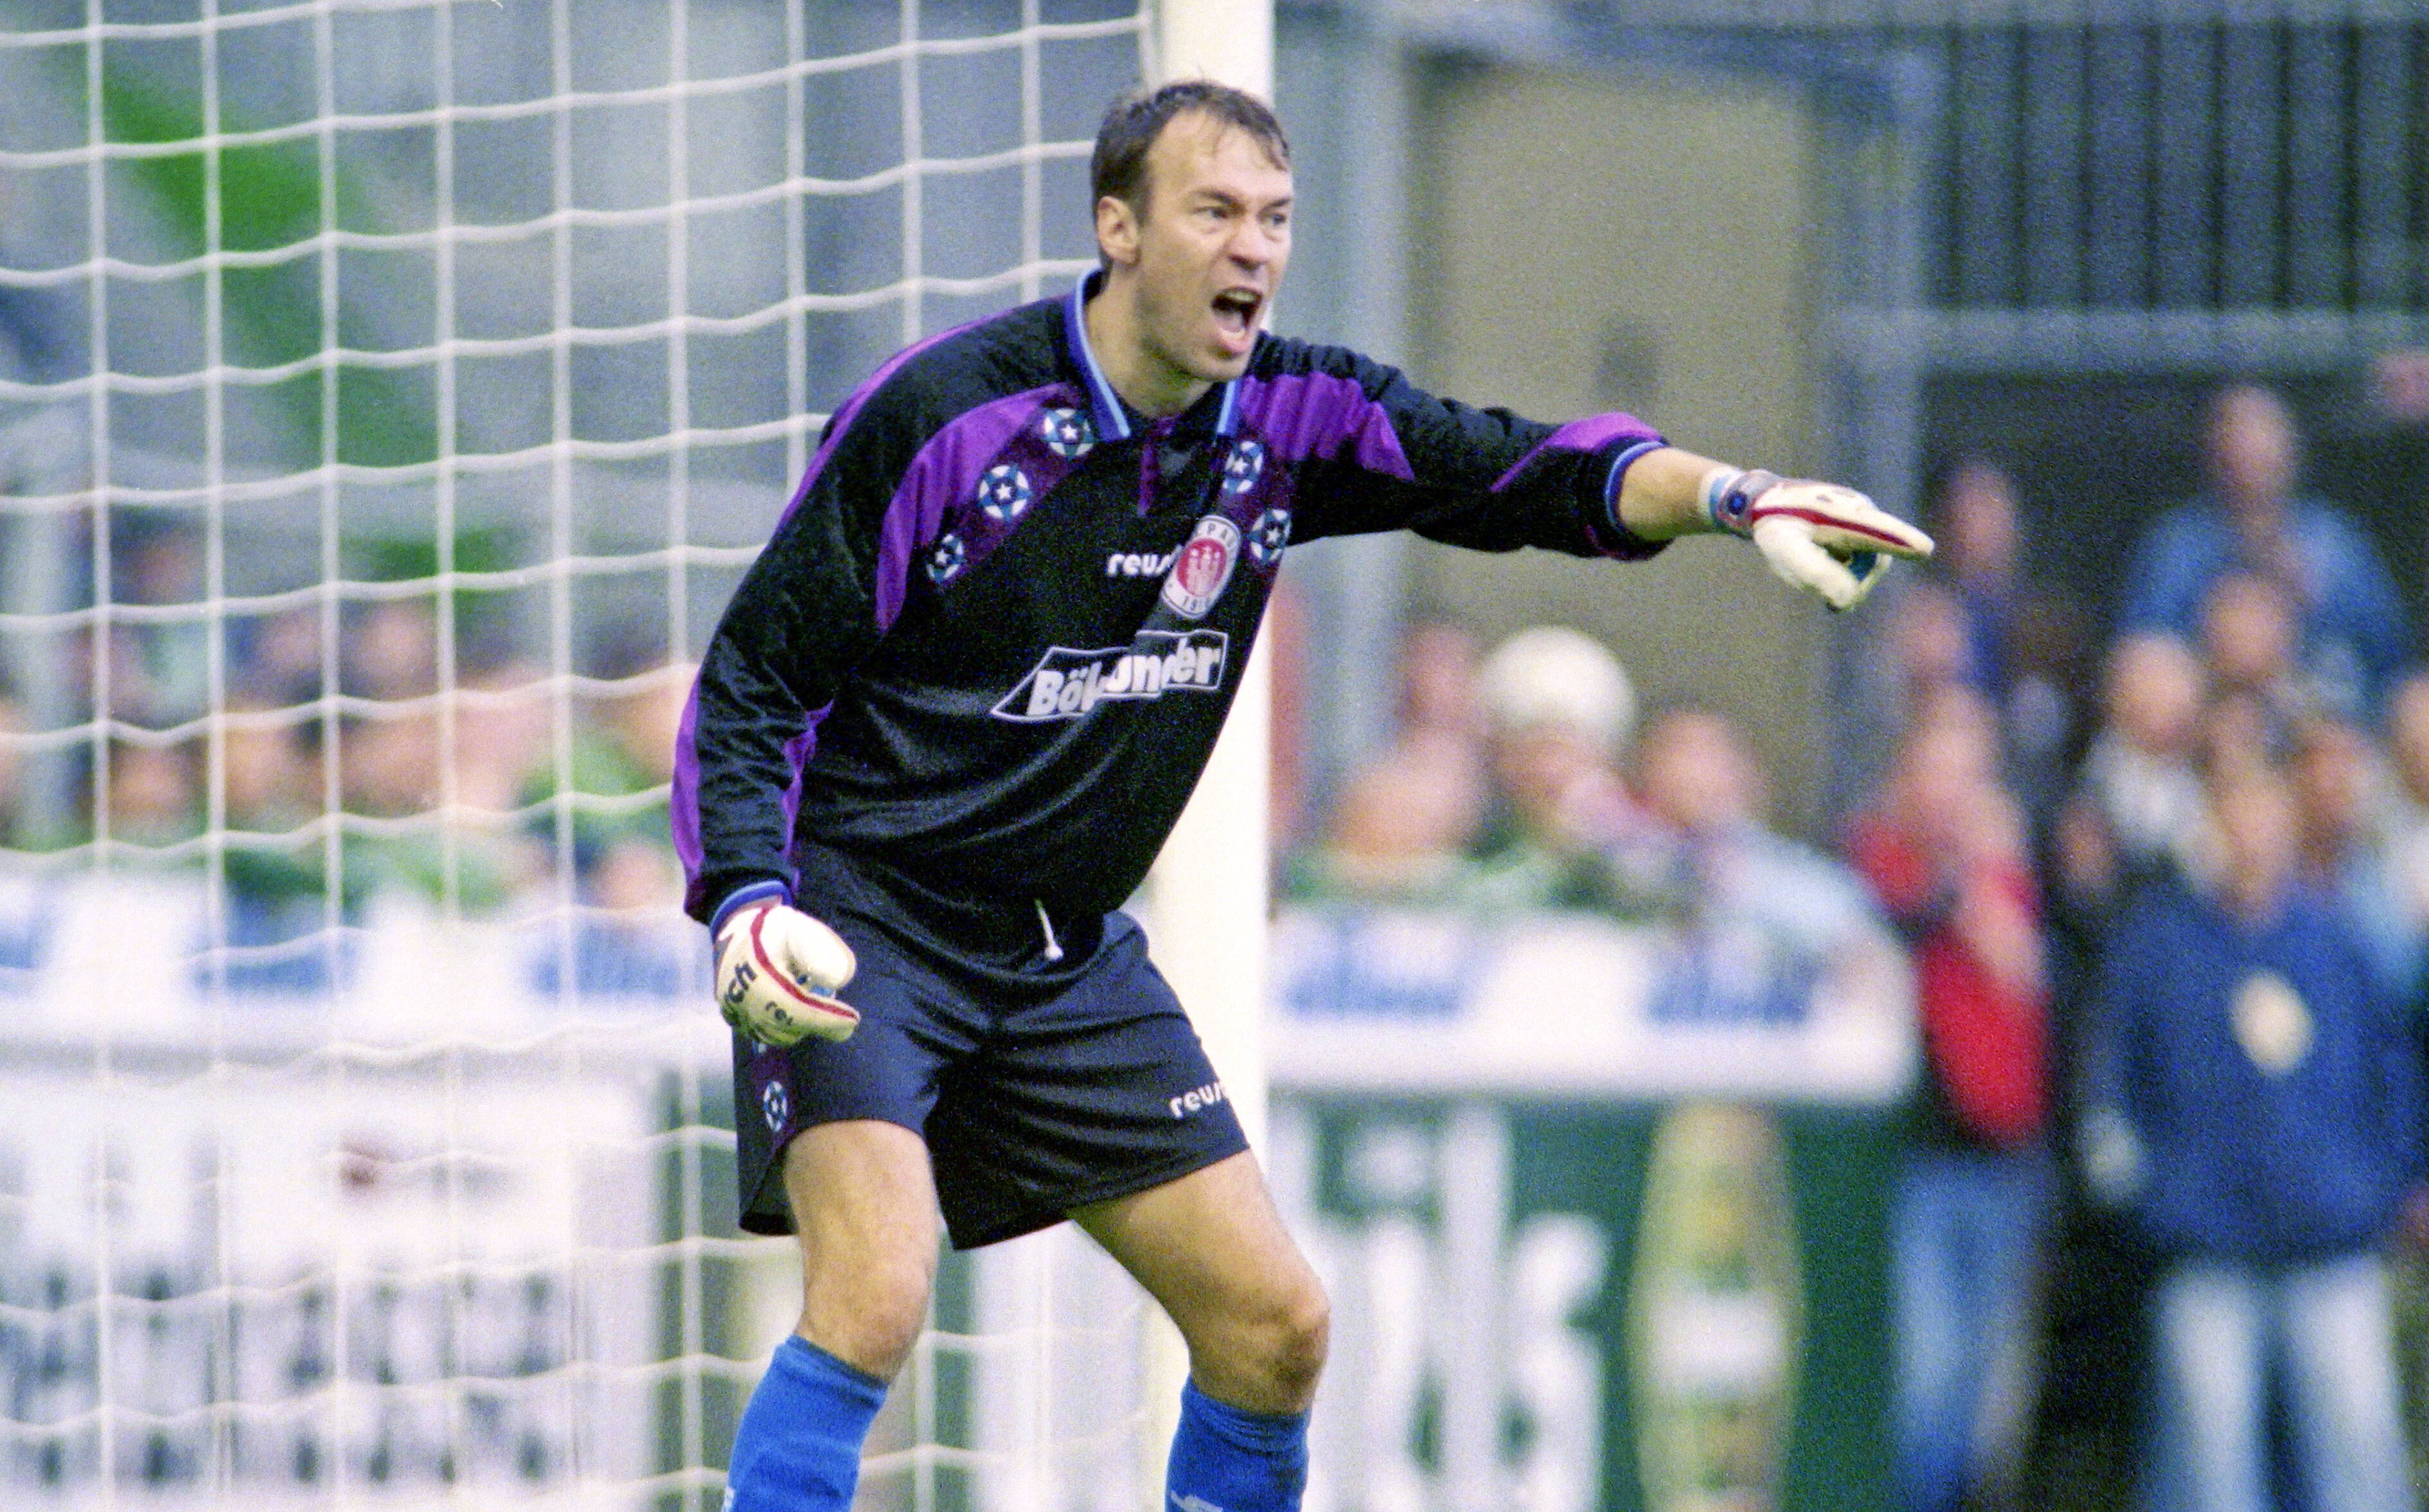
(742, 896)
(1264, 1432)
(1619, 466)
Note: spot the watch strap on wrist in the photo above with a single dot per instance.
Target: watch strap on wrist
(1729, 498)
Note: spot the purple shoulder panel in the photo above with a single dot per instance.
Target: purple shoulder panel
(946, 473)
(1589, 435)
(1319, 415)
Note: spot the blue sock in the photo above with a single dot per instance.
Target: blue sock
(1227, 1460)
(797, 1447)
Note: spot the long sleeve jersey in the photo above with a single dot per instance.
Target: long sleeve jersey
(995, 634)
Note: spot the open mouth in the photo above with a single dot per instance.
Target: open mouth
(1236, 314)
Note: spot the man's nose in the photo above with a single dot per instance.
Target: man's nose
(1254, 244)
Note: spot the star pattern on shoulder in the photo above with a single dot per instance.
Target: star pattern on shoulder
(1243, 466)
(1268, 535)
(947, 559)
(1068, 431)
(1004, 492)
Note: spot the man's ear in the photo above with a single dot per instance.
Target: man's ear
(1117, 232)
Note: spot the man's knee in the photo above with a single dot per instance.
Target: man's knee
(1268, 1360)
(1302, 1335)
(868, 1316)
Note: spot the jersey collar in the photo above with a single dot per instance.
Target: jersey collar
(1113, 416)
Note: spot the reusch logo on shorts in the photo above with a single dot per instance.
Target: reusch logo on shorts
(1068, 683)
(1197, 1100)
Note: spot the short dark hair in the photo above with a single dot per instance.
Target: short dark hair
(1134, 122)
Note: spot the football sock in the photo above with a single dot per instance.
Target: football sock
(1227, 1460)
(797, 1447)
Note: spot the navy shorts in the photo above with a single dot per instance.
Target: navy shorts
(1037, 1091)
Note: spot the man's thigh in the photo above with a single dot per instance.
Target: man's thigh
(1933, 1331)
(2210, 1336)
(1212, 1239)
(1210, 1248)
(864, 1206)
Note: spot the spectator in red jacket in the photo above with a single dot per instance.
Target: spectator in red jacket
(1945, 854)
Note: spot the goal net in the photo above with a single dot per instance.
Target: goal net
(392, 394)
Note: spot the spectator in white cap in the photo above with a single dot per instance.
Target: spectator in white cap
(1560, 710)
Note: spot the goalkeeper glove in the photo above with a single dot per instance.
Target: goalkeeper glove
(1818, 537)
(777, 972)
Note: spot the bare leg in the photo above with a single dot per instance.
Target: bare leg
(866, 1208)
(865, 1204)
(1213, 1251)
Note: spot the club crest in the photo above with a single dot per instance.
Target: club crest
(777, 1105)
(1203, 568)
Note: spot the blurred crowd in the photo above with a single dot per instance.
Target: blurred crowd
(2159, 870)
(313, 763)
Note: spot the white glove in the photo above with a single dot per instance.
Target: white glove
(777, 972)
(1818, 537)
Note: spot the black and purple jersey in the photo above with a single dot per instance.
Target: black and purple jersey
(995, 634)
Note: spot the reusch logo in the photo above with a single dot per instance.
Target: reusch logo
(1138, 564)
(1065, 683)
(1197, 1100)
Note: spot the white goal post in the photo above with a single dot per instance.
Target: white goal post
(1210, 886)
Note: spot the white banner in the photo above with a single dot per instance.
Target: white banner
(389, 1231)
(1437, 1001)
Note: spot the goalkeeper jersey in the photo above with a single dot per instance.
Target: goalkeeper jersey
(992, 639)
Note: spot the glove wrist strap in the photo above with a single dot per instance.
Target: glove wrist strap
(742, 898)
(1729, 499)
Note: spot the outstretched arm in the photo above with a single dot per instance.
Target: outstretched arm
(1388, 456)
(1830, 540)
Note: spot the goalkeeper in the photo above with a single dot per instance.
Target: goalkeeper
(956, 705)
